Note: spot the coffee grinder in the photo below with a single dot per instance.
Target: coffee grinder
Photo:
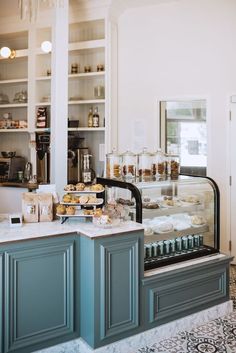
(88, 173)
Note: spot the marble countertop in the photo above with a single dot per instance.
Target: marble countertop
(46, 229)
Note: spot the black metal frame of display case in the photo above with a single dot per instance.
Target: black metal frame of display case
(188, 255)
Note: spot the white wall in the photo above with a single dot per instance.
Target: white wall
(180, 49)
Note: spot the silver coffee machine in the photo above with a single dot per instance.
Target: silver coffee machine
(75, 164)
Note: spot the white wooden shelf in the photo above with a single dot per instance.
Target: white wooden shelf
(42, 129)
(43, 78)
(90, 44)
(12, 81)
(87, 74)
(43, 104)
(14, 105)
(86, 129)
(87, 101)
(14, 130)
(21, 53)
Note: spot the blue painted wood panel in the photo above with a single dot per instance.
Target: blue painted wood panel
(39, 293)
(1, 303)
(119, 278)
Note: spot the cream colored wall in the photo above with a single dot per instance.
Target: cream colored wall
(180, 49)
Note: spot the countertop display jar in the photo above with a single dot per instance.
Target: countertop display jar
(113, 164)
(144, 164)
(129, 164)
(173, 165)
(158, 164)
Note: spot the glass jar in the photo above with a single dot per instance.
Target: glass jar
(129, 164)
(145, 164)
(173, 165)
(158, 164)
(113, 165)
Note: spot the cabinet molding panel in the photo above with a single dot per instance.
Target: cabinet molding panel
(39, 294)
(119, 287)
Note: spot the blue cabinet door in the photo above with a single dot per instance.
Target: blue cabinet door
(39, 294)
(1, 303)
(119, 281)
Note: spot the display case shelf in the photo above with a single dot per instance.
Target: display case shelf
(43, 104)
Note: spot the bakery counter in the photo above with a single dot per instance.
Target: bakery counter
(29, 231)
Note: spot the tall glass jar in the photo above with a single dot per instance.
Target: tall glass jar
(173, 165)
(145, 164)
(113, 164)
(129, 164)
(159, 164)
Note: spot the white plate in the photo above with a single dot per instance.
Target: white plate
(84, 192)
(77, 214)
(99, 202)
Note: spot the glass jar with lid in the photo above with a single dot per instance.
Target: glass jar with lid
(145, 164)
(113, 164)
(129, 164)
(173, 165)
(158, 163)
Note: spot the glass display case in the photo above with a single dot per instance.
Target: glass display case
(180, 216)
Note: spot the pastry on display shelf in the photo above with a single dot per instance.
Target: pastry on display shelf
(96, 187)
(69, 187)
(70, 210)
(67, 198)
(61, 209)
(84, 199)
(197, 220)
(80, 187)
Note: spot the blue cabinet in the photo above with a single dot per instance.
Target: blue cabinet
(1, 303)
(39, 294)
(177, 293)
(110, 287)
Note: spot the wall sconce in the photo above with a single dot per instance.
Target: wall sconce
(6, 53)
(46, 46)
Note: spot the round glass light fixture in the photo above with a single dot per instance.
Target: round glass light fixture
(5, 52)
(46, 46)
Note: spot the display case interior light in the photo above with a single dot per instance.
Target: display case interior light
(46, 46)
(6, 53)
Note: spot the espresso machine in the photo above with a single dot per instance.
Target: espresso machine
(75, 164)
(43, 157)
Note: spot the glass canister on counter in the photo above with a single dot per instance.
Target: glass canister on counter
(144, 164)
(129, 165)
(173, 165)
(113, 164)
(158, 163)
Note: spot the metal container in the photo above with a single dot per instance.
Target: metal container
(160, 248)
(173, 246)
(178, 245)
(196, 240)
(148, 251)
(190, 242)
(167, 248)
(185, 243)
(200, 239)
(154, 249)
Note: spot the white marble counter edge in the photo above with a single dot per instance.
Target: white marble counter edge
(49, 229)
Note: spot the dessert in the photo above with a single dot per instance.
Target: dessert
(61, 209)
(84, 199)
(96, 187)
(70, 210)
(75, 199)
(67, 198)
(69, 187)
(150, 205)
(88, 212)
(80, 186)
(92, 199)
(198, 220)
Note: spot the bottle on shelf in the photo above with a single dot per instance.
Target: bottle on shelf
(90, 117)
(96, 118)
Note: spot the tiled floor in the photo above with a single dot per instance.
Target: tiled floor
(217, 336)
